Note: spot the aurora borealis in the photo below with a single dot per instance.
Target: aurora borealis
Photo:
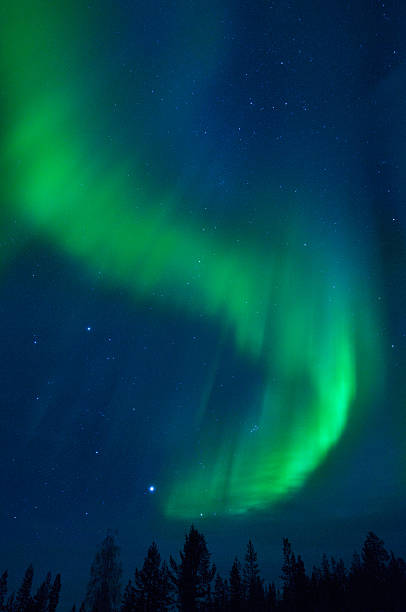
(195, 166)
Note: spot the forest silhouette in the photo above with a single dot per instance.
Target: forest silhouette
(374, 582)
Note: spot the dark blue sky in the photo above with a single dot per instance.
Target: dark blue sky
(245, 118)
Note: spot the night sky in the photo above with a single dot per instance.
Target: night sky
(202, 256)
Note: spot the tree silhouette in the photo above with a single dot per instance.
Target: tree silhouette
(192, 577)
(252, 583)
(288, 575)
(3, 590)
(128, 601)
(396, 583)
(152, 588)
(236, 586)
(375, 582)
(40, 600)
(338, 585)
(23, 599)
(54, 594)
(374, 556)
(10, 605)
(220, 599)
(297, 593)
(271, 598)
(103, 591)
(301, 587)
(166, 586)
(374, 573)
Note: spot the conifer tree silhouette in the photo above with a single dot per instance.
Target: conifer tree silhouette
(301, 586)
(375, 582)
(23, 598)
(128, 601)
(103, 591)
(40, 600)
(396, 583)
(192, 577)
(271, 598)
(374, 556)
(220, 599)
(236, 586)
(10, 605)
(3, 590)
(54, 594)
(288, 575)
(152, 582)
(374, 572)
(252, 582)
(338, 585)
(166, 586)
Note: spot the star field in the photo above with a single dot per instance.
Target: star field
(202, 274)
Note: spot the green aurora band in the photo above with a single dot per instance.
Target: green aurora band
(297, 313)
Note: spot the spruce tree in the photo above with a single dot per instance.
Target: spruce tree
(128, 601)
(3, 590)
(103, 591)
(10, 605)
(166, 586)
(151, 582)
(374, 556)
(355, 582)
(220, 599)
(23, 599)
(41, 597)
(54, 594)
(338, 584)
(192, 577)
(301, 587)
(236, 586)
(374, 572)
(288, 575)
(252, 583)
(271, 598)
(207, 573)
(396, 583)
(325, 569)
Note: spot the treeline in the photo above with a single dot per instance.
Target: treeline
(375, 582)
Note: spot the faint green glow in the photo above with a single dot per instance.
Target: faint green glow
(290, 309)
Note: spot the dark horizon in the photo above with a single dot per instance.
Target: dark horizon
(189, 580)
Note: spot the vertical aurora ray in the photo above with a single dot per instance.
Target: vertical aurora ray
(300, 315)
